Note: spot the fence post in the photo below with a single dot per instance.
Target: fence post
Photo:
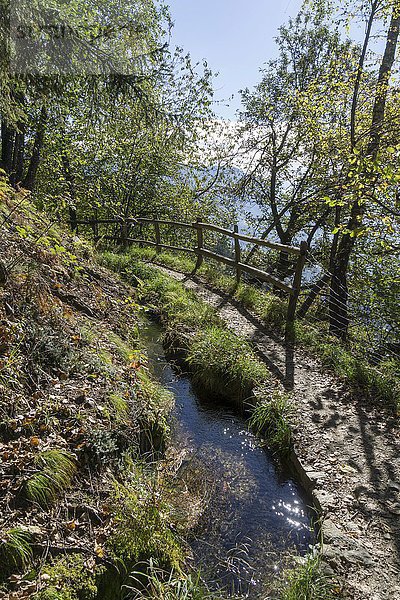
(237, 255)
(124, 233)
(200, 243)
(294, 296)
(158, 236)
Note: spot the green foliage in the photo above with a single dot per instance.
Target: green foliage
(225, 363)
(15, 550)
(57, 469)
(381, 383)
(142, 524)
(306, 582)
(69, 578)
(157, 583)
(272, 418)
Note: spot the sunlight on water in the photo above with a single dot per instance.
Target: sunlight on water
(255, 512)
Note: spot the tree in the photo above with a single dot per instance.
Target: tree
(363, 173)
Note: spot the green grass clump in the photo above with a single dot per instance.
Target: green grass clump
(271, 309)
(225, 363)
(307, 582)
(57, 469)
(272, 418)
(156, 583)
(143, 524)
(15, 551)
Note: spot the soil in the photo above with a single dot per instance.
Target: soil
(348, 448)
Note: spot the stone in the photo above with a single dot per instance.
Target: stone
(358, 556)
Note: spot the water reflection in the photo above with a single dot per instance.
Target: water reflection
(255, 512)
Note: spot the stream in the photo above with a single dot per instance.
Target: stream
(256, 514)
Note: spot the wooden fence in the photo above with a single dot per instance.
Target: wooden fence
(293, 290)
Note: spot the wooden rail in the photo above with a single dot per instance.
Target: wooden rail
(201, 252)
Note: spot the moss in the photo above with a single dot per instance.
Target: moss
(70, 578)
(119, 408)
(156, 403)
(143, 524)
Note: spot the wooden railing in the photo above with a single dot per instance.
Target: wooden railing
(293, 290)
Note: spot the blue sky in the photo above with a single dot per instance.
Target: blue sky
(235, 37)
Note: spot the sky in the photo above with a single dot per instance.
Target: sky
(235, 37)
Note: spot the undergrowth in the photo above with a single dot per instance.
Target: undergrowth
(156, 583)
(70, 578)
(307, 582)
(15, 550)
(381, 383)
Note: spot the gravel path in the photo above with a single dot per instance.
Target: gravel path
(350, 451)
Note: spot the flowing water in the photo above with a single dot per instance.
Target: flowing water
(256, 513)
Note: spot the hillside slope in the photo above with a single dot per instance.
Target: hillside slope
(79, 413)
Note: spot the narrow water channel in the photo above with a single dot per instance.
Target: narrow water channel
(256, 512)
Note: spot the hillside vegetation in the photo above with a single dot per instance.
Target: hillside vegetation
(111, 144)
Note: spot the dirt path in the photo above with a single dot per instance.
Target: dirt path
(349, 450)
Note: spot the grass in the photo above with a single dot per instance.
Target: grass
(270, 308)
(142, 524)
(156, 583)
(15, 550)
(57, 469)
(272, 418)
(225, 363)
(307, 582)
(221, 361)
(380, 383)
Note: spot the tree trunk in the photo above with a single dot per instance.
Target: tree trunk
(17, 171)
(7, 146)
(70, 179)
(30, 178)
(339, 319)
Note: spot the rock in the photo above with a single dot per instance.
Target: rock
(394, 486)
(394, 508)
(325, 499)
(331, 533)
(359, 556)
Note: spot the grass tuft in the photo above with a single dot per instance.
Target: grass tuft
(57, 469)
(15, 550)
(153, 582)
(272, 419)
(225, 363)
(307, 582)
